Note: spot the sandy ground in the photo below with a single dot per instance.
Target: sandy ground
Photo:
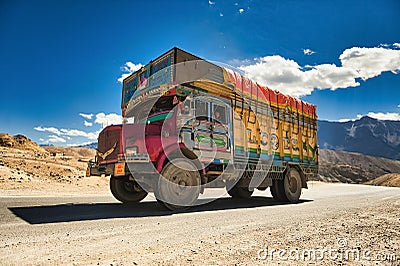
(49, 169)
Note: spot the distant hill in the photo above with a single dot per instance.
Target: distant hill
(20, 142)
(389, 180)
(26, 165)
(351, 167)
(92, 145)
(367, 136)
(24, 144)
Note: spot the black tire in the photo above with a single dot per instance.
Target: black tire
(126, 191)
(277, 190)
(292, 185)
(238, 189)
(179, 184)
(237, 192)
(287, 189)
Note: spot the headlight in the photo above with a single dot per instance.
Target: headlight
(132, 151)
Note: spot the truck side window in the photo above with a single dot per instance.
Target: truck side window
(201, 110)
(186, 107)
(219, 114)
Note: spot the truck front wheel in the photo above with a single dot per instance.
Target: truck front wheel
(179, 184)
(126, 191)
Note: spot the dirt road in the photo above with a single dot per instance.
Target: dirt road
(95, 229)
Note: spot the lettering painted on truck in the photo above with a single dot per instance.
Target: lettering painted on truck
(274, 141)
(264, 138)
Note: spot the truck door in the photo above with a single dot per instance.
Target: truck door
(220, 127)
(211, 130)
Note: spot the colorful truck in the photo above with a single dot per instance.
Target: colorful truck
(190, 124)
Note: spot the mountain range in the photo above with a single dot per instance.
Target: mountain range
(92, 145)
(366, 135)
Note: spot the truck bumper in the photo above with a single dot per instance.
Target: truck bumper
(136, 169)
(98, 170)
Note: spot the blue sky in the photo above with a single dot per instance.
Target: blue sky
(60, 59)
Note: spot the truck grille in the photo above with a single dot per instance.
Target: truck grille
(108, 146)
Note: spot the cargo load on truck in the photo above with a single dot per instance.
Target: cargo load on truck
(190, 124)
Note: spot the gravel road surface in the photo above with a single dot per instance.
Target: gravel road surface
(97, 230)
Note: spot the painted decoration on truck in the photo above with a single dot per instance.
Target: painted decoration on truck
(129, 88)
(143, 77)
(152, 75)
(161, 71)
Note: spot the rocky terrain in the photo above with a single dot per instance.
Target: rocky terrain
(351, 167)
(389, 180)
(25, 165)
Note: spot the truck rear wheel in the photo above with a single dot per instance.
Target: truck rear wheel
(179, 184)
(126, 191)
(287, 189)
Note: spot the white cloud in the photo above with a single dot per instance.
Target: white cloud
(350, 119)
(236, 4)
(48, 129)
(123, 76)
(73, 132)
(130, 68)
(109, 119)
(221, 15)
(371, 62)
(241, 10)
(80, 133)
(87, 124)
(385, 116)
(87, 116)
(93, 135)
(56, 139)
(289, 77)
(308, 51)
(60, 135)
(41, 139)
(210, 2)
(396, 45)
(398, 106)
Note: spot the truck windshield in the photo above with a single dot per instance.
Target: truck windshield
(161, 110)
(162, 105)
